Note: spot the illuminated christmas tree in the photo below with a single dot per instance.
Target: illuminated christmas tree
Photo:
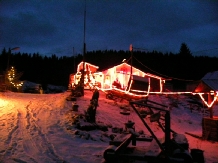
(12, 79)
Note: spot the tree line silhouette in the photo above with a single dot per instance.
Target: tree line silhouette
(55, 70)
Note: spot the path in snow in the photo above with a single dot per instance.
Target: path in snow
(26, 140)
(33, 128)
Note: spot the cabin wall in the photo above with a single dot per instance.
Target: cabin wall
(120, 74)
(155, 85)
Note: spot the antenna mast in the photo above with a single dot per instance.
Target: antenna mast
(84, 50)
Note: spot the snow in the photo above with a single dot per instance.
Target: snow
(37, 128)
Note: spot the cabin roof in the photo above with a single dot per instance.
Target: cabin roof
(209, 81)
(119, 67)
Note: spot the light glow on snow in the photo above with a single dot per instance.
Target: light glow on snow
(38, 127)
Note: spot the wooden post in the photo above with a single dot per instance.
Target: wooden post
(209, 102)
(167, 132)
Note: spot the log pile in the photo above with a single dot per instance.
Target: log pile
(210, 128)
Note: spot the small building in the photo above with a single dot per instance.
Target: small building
(208, 88)
(208, 91)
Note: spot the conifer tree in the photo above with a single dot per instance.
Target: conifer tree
(184, 51)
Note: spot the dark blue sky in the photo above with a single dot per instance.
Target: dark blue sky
(56, 26)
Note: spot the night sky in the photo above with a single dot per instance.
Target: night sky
(57, 26)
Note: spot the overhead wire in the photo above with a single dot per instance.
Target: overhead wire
(160, 73)
(204, 50)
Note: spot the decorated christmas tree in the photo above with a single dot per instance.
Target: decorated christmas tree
(12, 79)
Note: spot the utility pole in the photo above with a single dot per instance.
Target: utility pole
(84, 50)
(9, 53)
(74, 66)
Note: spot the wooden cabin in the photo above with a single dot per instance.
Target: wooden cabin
(121, 74)
(117, 76)
(208, 91)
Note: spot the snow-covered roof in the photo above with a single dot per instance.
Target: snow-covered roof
(211, 80)
(211, 75)
(213, 84)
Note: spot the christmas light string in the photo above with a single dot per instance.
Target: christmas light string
(146, 93)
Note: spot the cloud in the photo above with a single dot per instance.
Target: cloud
(45, 26)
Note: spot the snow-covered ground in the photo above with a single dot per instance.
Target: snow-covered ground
(37, 128)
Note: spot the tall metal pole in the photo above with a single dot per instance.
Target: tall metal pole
(9, 53)
(74, 64)
(84, 50)
(131, 50)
